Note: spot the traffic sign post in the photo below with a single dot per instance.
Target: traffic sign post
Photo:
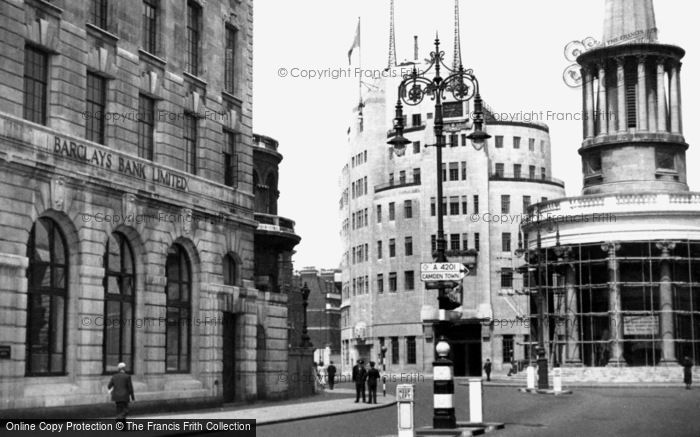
(443, 276)
(404, 401)
(430, 272)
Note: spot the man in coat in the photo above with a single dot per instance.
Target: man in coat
(687, 372)
(372, 377)
(359, 376)
(122, 391)
(331, 375)
(487, 369)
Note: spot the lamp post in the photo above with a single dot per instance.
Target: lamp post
(540, 350)
(305, 338)
(463, 86)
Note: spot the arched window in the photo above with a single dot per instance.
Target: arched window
(119, 286)
(230, 270)
(47, 287)
(178, 294)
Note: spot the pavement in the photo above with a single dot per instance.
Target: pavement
(520, 380)
(330, 403)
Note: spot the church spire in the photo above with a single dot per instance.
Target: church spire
(629, 21)
(392, 37)
(457, 56)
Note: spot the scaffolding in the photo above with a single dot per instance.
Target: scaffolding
(633, 303)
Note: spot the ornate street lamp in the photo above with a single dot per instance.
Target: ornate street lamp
(463, 86)
(305, 338)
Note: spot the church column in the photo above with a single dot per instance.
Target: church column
(584, 89)
(589, 81)
(602, 102)
(651, 99)
(621, 103)
(666, 303)
(573, 351)
(674, 97)
(661, 95)
(615, 305)
(642, 93)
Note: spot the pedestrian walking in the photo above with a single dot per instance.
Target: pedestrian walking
(321, 372)
(487, 369)
(331, 375)
(359, 376)
(122, 390)
(687, 372)
(372, 377)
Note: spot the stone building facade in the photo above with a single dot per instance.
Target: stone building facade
(128, 206)
(388, 226)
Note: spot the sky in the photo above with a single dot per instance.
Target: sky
(515, 47)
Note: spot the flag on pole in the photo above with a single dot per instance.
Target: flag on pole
(355, 42)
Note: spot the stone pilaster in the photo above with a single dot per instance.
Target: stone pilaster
(13, 324)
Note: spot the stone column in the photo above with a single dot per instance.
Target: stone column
(588, 80)
(642, 93)
(584, 88)
(666, 303)
(621, 102)
(602, 102)
(661, 95)
(615, 305)
(573, 351)
(651, 102)
(674, 97)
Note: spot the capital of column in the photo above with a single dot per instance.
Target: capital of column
(620, 61)
(611, 247)
(665, 247)
(587, 70)
(602, 68)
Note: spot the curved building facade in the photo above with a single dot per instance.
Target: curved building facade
(622, 282)
(388, 226)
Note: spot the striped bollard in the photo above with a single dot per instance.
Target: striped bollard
(443, 388)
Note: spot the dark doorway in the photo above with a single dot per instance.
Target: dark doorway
(465, 348)
(458, 355)
(229, 357)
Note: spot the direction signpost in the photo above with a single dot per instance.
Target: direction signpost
(430, 272)
(444, 276)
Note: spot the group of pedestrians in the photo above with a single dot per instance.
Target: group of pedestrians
(362, 376)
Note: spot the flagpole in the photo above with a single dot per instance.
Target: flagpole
(359, 47)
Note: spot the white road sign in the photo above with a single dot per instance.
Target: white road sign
(442, 271)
